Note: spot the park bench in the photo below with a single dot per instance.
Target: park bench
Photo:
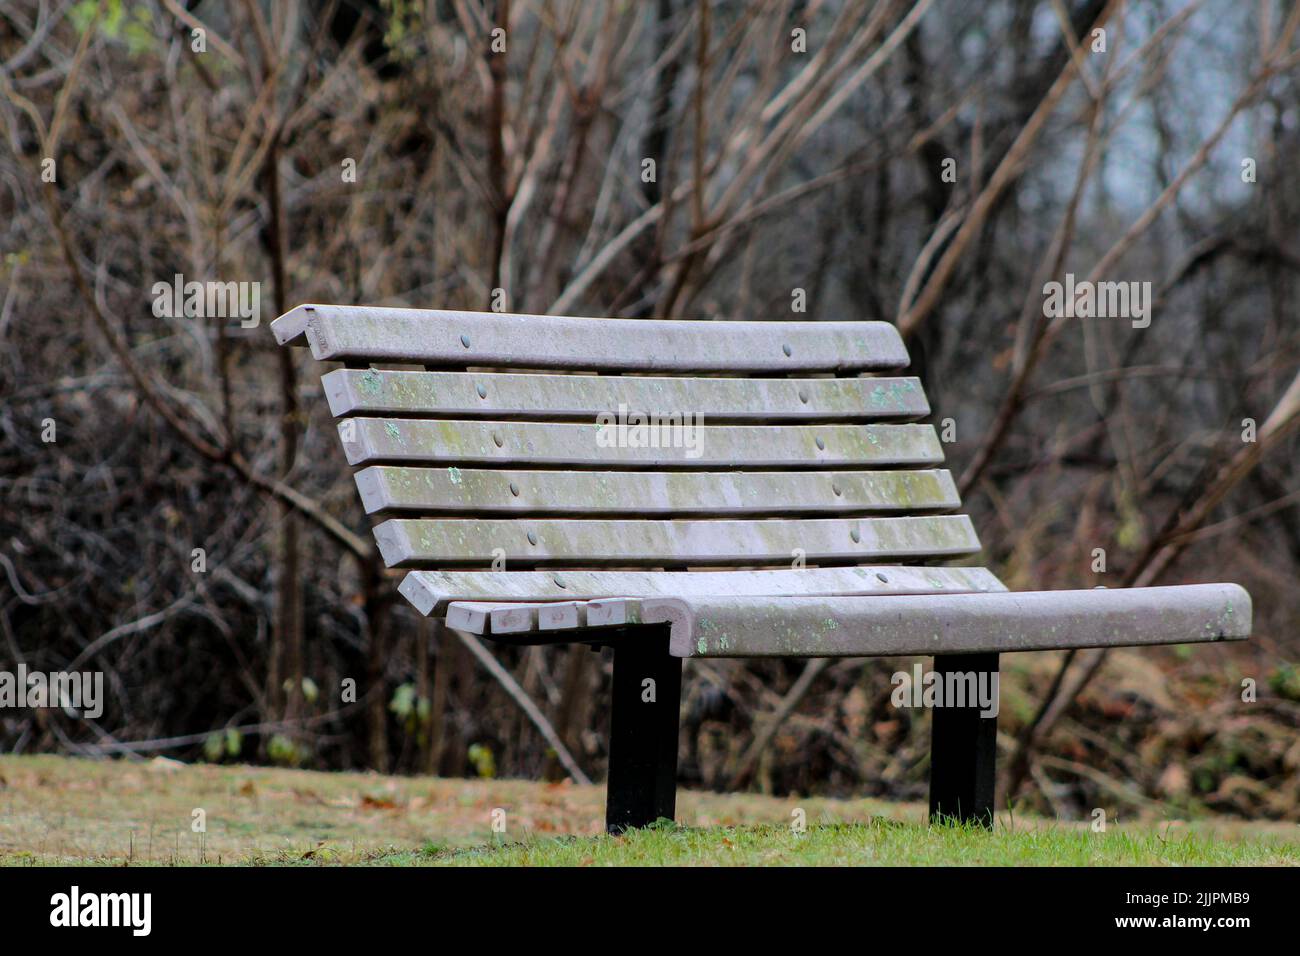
(805, 517)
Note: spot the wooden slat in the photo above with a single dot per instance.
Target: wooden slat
(401, 440)
(613, 612)
(376, 392)
(514, 618)
(650, 494)
(562, 615)
(451, 541)
(951, 624)
(460, 339)
(431, 591)
(470, 616)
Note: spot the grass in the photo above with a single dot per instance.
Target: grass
(876, 842)
(56, 810)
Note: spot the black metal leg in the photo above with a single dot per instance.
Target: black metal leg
(963, 750)
(642, 785)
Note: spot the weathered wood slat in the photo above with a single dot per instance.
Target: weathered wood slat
(471, 616)
(613, 612)
(446, 542)
(650, 494)
(376, 392)
(561, 615)
(430, 591)
(404, 440)
(950, 624)
(514, 618)
(459, 339)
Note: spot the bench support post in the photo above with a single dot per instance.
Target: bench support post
(963, 749)
(642, 784)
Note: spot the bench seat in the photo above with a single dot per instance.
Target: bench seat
(881, 626)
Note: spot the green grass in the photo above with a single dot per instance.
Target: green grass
(875, 843)
(56, 810)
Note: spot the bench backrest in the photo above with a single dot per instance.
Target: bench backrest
(788, 444)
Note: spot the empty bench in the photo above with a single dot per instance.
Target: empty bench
(683, 489)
